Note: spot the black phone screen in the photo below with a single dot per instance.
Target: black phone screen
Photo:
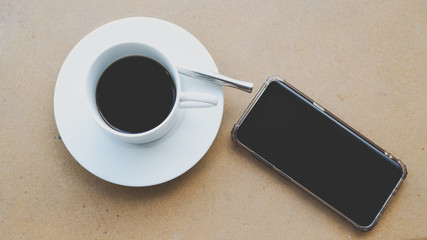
(319, 153)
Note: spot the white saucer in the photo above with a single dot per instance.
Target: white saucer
(130, 164)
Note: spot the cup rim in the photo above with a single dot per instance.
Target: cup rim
(172, 71)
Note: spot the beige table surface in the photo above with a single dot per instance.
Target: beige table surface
(363, 60)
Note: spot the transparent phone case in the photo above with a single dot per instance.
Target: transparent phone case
(252, 104)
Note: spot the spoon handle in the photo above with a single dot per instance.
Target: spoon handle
(216, 78)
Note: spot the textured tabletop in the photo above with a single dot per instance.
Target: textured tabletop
(365, 61)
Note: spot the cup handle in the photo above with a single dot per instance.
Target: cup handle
(197, 100)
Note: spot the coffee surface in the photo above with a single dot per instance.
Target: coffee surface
(135, 94)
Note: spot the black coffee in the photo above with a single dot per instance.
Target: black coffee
(135, 94)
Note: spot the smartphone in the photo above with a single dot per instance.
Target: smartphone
(314, 149)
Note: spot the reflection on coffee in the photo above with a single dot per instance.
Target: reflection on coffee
(135, 94)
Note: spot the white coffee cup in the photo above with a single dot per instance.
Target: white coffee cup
(182, 99)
